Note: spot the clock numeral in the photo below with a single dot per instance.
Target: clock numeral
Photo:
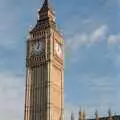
(37, 47)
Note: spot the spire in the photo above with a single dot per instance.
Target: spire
(80, 115)
(96, 115)
(72, 116)
(46, 12)
(46, 6)
(109, 114)
(84, 115)
(45, 16)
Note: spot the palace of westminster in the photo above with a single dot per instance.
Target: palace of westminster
(44, 95)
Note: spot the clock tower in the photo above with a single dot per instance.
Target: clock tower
(44, 94)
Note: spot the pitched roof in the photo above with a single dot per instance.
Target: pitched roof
(46, 6)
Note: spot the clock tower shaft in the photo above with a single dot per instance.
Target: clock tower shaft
(44, 94)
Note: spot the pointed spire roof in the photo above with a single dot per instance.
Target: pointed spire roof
(80, 114)
(84, 114)
(96, 115)
(72, 116)
(46, 6)
(109, 112)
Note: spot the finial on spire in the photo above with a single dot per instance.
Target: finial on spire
(84, 115)
(80, 114)
(46, 6)
(96, 115)
(72, 116)
(110, 113)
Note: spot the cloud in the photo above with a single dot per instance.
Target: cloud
(86, 21)
(11, 96)
(102, 84)
(85, 39)
(99, 34)
(99, 90)
(71, 109)
(113, 40)
(77, 41)
(11, 86)
(93, 92)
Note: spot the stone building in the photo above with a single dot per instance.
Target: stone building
(44, 93)
(82, 116)
(44, 68)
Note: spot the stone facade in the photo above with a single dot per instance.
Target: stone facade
(82, 116)
(44, 69)
(44, 93)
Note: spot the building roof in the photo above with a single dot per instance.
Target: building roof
(114, 117)
(46, 7)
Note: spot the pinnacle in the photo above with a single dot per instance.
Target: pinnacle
(46, 6)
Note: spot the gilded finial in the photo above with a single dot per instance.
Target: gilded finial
(96, 115)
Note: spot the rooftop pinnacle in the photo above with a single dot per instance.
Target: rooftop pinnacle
(46, 6)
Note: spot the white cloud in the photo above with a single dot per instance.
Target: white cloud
(113, 40)
(100, 93)
(77, 41)
(87, 40)
(103, 84)
(102, 90)
(86, 21)
(83, 39)
(11, 96)
(70, 109)
(99, 34)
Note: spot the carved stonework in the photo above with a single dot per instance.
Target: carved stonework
(44, 69)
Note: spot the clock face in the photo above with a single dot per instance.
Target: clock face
(38, 47)
(59, 49)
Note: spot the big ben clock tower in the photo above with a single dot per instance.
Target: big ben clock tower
(44, 69)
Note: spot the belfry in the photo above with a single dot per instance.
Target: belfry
(44, 94)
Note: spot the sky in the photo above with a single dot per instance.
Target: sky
(92, 54)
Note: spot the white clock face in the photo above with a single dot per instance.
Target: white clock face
(59, 49)
(38, 47)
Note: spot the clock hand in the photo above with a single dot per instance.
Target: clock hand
(37, 46)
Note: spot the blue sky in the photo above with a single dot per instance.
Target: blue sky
(92, 54)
